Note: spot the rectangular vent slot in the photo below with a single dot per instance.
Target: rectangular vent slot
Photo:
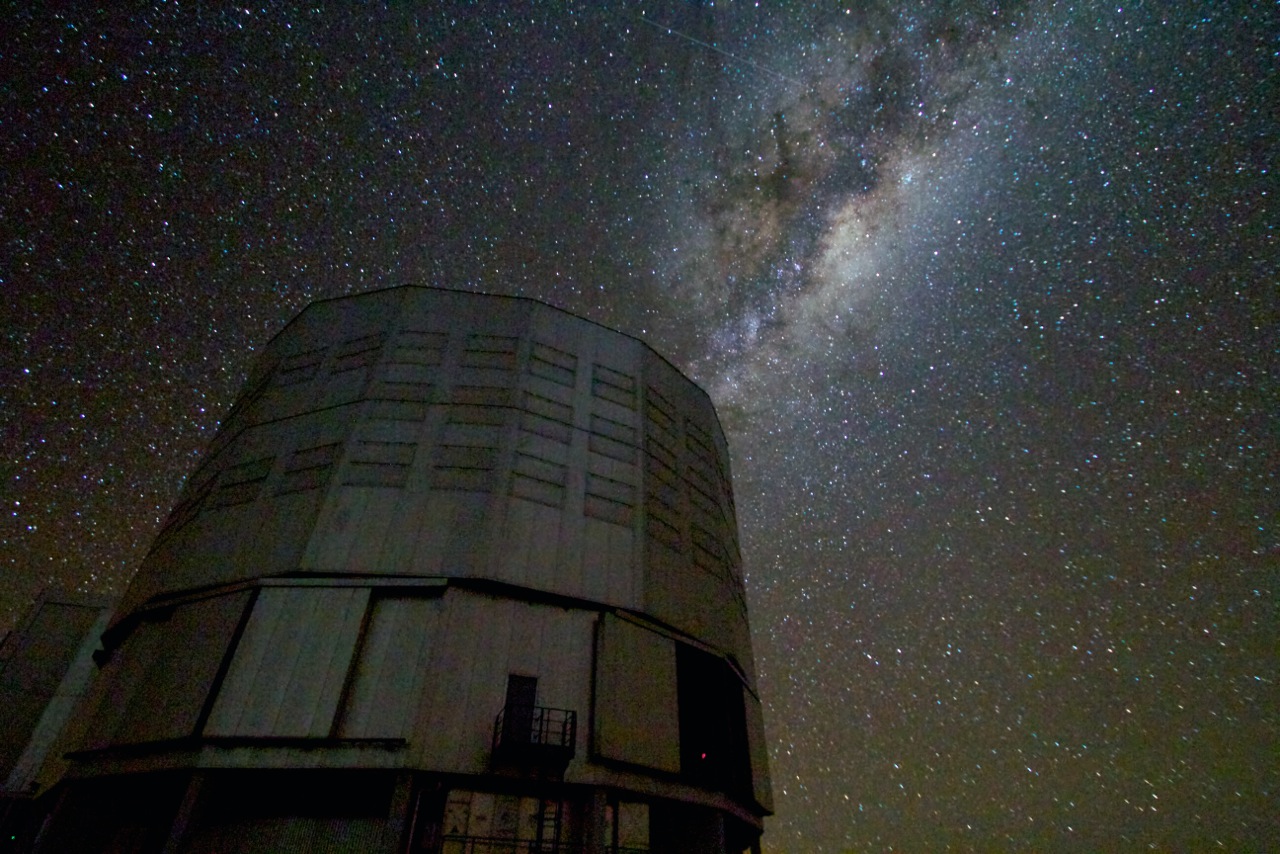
(241, 483)
(615, 430)
(309, 468)
(708, 554)
(553, 364)
(609, 500)
(419, 392)
(486, 415)
(357, 353)
(539, 480)
(418, 348)
(480, 395)
(380, 463)
(398, 410)
(538, 426)
(659, 411)
(699, 443)
(662, 530)
(609, 448)
(464, 467)
(300, 367)
(548, 408)
(614, 386)
(662, 471)
(495, 352)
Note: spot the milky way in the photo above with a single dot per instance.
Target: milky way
(985, 296)
(859, 159)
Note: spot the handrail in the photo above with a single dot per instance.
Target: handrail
(453, 844)
(458, 844)
(520, 726)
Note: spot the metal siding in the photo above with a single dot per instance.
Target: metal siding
(637, 715)
(466, 684)
(519, 536)
(444, 692)
(524, 647)
(494, 620)
(608, 564)
(466, 547)
(432, 531)
(564, 666)
(192, 644)
(122, 679)
(334, 537)
(628, 584)
(288, 520)
(396, 556)
(595, 564)
(568, 383)
(543, 538)
(392, 668)
(369, 529)
(291, 665)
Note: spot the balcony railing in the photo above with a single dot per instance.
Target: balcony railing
(495, 845)
(535, 734)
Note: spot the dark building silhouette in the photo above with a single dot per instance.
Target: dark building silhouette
(458, 574)
(46, 665)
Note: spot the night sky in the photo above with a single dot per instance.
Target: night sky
(986, 296)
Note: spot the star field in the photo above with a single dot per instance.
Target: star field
(986, 297)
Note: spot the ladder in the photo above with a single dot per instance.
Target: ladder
(549, 823)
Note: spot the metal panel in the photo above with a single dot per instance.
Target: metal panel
(636, 713)
(192, 644)
(761, 788)
(291, 665)
(389, 675)
(39, 658)
(565, 659)
(120, 680)
(530, 532)
(469, 667)
(40, 757)
(372, 529)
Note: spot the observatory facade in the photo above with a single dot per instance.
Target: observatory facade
(458, 574)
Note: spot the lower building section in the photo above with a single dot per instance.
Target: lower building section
(334, 812)
(417, 716)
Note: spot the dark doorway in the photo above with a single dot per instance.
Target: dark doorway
(713, 722)
(522, 696)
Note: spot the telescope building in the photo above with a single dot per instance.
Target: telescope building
(458, 574)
